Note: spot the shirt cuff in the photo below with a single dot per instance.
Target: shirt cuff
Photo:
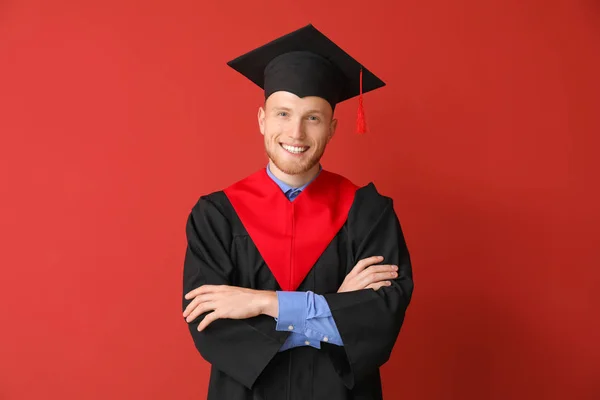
(299, 340)
(292, 311)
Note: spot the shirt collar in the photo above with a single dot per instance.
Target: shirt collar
(285, 188)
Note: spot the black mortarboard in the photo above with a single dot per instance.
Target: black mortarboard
(307, 63)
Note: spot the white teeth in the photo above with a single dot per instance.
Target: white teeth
(294, 149)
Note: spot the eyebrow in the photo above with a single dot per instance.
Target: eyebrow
(315, 111)
(312, 111)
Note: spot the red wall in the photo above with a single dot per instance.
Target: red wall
(116, 115)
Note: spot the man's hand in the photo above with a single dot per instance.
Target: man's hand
(373, 277)
(228, 302)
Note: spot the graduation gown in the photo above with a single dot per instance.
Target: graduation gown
(250, 235)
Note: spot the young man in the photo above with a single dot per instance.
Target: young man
(286, 292)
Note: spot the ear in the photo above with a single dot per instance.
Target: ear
(261, 120)
(332, 128)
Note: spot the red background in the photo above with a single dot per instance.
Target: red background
(116, 115)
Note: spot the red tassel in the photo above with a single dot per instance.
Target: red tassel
(361, 125)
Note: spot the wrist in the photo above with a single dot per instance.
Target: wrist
(270, 304)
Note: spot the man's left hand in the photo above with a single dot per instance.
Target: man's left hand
(228, 302)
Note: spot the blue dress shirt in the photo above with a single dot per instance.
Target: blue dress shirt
(305, 314)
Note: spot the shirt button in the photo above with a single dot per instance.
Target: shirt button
(307, 343)
(291, 327)
(326, 339)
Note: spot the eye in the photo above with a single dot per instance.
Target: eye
(313, 118)
(282, 114)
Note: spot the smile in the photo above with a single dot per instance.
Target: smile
(294, 149)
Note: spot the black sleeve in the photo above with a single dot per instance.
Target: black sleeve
(239, 348)
(369, 321)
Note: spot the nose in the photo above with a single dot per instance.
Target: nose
(297, 130)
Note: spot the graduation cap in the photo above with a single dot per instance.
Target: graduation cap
(307, 63)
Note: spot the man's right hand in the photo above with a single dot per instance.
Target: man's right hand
(373, 277)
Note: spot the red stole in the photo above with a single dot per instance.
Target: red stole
(291, 236)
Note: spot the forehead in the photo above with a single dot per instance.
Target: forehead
(290, 100)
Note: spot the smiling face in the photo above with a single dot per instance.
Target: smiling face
(296, 131)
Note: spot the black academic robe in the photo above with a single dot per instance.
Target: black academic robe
(244, 354)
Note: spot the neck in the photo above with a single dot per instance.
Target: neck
(294, 180)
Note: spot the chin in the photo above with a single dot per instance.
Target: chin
(293, 167)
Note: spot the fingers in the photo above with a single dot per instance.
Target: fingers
(210, 318)
(380, 268)
(364, 263)
(201, 298)
(205, 289)
(377, 274)
(200, 309)
(380, 276)
(376, 286)
(390, 270)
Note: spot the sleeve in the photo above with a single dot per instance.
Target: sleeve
(308, 314)
(240, 348)
(369, 321)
